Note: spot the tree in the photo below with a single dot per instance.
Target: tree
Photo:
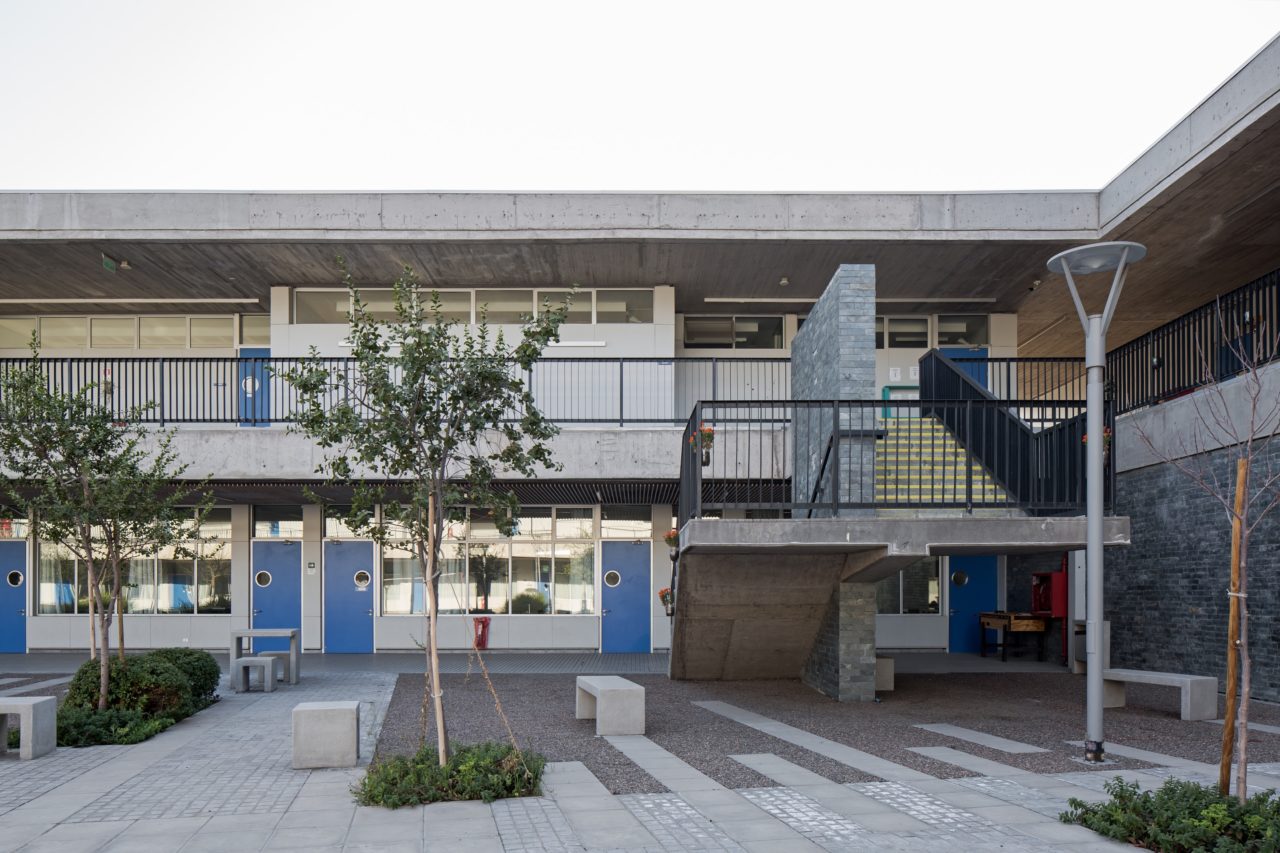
(1232, 423)
(91, 482)
(422, 420)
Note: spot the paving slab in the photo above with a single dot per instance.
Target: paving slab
(980, 738)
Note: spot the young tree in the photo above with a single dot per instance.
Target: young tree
(1225, 453)
(89, 482)
(426, 416)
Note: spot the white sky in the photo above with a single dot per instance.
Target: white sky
(686, 96)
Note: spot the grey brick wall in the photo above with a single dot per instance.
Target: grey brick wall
(1166, 594)
(842, 663)
(1018, 571)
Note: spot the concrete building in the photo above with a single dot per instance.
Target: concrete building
(688, 301)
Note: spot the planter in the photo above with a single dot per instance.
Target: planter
(671, 609)
(706, 456)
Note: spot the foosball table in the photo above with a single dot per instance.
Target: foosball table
(1010, 624)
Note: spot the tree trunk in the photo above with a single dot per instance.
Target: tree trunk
(433, 649)
(104, 635)
(117, 591)
(1233, 634)
(1246, 672)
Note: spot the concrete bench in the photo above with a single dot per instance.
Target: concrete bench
(1199, 692)
(326, 734)
(286, 664)
(240, 667)
(617, 705)
(37, 725)
(884, 675)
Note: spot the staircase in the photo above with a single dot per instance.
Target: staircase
(918, 461)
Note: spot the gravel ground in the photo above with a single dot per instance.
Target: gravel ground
(1043, 709)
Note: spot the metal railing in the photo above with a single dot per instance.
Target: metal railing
(821, 458)
(251, 391)
(1013, 378)
(1199, 348)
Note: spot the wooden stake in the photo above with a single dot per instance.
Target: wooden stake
(1233, 634)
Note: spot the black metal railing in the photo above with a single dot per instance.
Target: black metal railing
(1212, 343)
(251, 391)
(1011, 378)
(814, 459)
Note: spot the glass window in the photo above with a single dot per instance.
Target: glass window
(534, 522)
(708, 332)
(962, 330)
(889, 595)
(530, 579)
(908, 333)
(504, 306)
(575, 572)
(321, 306)
(255, 330)
(455, 305)
(12, 526)
(15, 332)
(575, 523)
(483, 524)
(138, 586)
(213, 579)
(176, 585)
(62, 332)
(112, 332)
(626, 522)
(210, 332)
(879, 333)
(277, 522)
(487, 575)
(380, 305)
(57, 590)
(757, 332)
(580, 311)
(624, 306)
(402, 588)
(336, 524)
(920, 587)
(162, 332)
(217, 523)
(453, 580)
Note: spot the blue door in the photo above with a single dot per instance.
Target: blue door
(977, 371)
(624, 597)
(971, 583)
(255, 386)
(348, 597)
(277, 590)
(13, 596)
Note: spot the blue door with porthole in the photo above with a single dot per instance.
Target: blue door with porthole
(276, 590)
(254, 381)
(625, 597)
(971, 585)
(348, 597)
(13, 596)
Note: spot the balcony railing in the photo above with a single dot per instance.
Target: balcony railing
(250, 391)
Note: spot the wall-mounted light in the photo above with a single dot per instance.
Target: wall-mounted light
(784, 281)
(110, 264)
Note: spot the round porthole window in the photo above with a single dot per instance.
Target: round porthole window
(362, 579)
(959, 578)
(262, 578)
(14, 578)
(612, 578)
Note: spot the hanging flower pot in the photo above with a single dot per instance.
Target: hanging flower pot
(672, 538)
(668, 599)
(702, 440)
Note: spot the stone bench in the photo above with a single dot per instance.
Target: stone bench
(326, 734)
(1199, 692)
(884, 675)
(239, 675)
(37, 724)
(286, 664)
(617, 705)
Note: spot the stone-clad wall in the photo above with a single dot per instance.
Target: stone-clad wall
(842, 663)
(1166, 593)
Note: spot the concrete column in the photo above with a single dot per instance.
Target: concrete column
(842, 663)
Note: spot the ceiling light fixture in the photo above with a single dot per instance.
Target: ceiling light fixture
(784, 281)
(742, 300)
(126, 301)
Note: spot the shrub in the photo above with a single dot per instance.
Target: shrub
(200, 669)
(1182, 816)
(14, 737)
(529, 601)
(81, 727)
(142, 683)
(485, 771)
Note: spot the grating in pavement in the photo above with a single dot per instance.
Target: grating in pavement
(534, 823)
(676, 825)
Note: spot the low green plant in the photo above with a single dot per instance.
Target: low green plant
(485, 771)
(84, 727)
(199, 667)
(1181, 817)
(142, 683)
(14, 737)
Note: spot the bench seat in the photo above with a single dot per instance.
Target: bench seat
(617, 705)
(1199, 692)
(37, 724)
(239, 675)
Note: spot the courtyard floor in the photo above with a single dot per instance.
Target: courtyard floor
(960, 760)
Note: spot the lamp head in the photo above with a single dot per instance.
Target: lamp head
(1096, 257)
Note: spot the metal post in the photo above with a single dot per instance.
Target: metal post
(1095, 363)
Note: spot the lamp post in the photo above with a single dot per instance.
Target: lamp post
(1084, 260)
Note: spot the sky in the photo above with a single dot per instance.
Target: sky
(603, 96)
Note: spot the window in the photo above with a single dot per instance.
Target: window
(915, 590)
(503, 306)
(57, 580)
(210, 332)
(530, 579)
(277, 522)
(575, 571)
(455, 305)
(487, 567)
(255, 330)
(217, 523)
(15, 332)
(534, 523)
(624, 306)
(879, 333)
(575, 523)
(963, 330)
(62, 332)
(626, 522)
(581, 311)
(112, 332)
(908, 332)
(213, 579)
(402, 587)
(336, 525)
(320, 306)
(162, 332)
(751, 333)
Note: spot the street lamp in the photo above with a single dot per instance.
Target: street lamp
(1084, 260)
